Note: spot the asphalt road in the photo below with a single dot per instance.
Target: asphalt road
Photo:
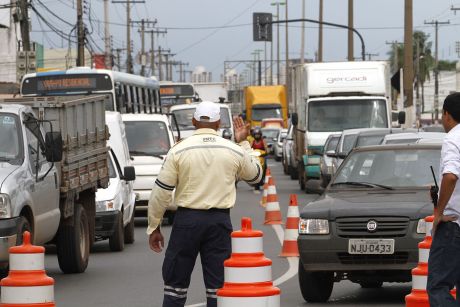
(133, 277)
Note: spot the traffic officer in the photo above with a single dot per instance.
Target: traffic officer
(202, 169)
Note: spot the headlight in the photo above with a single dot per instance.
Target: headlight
(421, 226)
(313, 227)
(105, 205)
(5, 206)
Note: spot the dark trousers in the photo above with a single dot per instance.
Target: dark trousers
(444, 266)
(206, 232)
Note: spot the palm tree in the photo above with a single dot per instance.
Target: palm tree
(422, 47)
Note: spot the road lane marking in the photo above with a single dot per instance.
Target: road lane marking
(293, 261)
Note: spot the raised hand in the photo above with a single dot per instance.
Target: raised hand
(240, 129)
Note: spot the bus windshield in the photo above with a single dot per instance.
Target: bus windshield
(184, 118)
(339, 115)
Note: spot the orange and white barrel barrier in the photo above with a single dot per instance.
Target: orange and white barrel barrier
(27, 283)
(291, 233)
(272, 210)
(248, 274)
(418, 296)
(268, 174)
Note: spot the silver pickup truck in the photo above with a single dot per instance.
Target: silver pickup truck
(53, 157)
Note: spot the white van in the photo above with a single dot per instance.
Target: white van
(184, 114)
(115, 204)
(149, 139)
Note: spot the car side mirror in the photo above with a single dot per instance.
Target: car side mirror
(331, 154)
(53, 146)
(129, 173)
(295, 119)
(401, 117)
(275, 139)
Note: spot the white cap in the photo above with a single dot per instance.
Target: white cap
(207, 109)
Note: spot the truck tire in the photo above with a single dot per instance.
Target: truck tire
(316, 287)
(285, 167)
(117, 240)
(294, 173)
(23, 225)
(73, 242)
(301, 176)
(129, 231)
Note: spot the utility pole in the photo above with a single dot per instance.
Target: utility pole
(350, 32)
(302, 39)
(80, 34)
(408, 69)
(129, 59)
(370, 55)
(108, 56)
(277, 4)
(436, 24)
(119, 50)
(181, 70)
(287, 51)
(320, 34)
(152, 47)
(143, 57)
(24, 23)
(160, 61)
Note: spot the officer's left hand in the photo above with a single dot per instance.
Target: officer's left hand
(156, 241)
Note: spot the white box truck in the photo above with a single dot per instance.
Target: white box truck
(331, 97)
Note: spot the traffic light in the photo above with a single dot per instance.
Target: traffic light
(262, 27)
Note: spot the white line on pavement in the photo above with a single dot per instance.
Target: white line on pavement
(293, 261)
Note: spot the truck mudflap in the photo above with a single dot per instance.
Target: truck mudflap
(8, 237)
(312, 168)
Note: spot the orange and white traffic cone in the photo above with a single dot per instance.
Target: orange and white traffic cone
(290, 248)
(418, 296)
(272, 210)
(27, 283)
(263, 202)
(248, 274)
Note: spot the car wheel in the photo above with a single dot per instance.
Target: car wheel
(316, 287)
(117, 240)
(23, 226)
(371, 284)
(129, 231)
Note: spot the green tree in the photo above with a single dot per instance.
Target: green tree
(422, 48)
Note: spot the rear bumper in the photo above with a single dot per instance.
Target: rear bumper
(106, 223)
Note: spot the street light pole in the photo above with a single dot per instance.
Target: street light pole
(277, 4)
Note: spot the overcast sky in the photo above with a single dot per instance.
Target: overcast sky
(379, 21)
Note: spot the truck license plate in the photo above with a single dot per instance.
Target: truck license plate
(371, 246)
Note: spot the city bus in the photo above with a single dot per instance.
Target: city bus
(130, 93)
(173, 93)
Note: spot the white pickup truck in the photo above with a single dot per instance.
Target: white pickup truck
(53, 157)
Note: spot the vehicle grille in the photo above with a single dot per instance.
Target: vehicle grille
(396, 258)
(387, 227)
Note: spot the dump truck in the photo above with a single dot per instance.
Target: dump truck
(53, 158)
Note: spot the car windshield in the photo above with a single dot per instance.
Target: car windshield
(147, 137)
(263, 113)
(367, 140)
(332, 144)
(270, 133)
(339, 115)
(9, 138)
(348, 142)
(184, 118)
(394, 168)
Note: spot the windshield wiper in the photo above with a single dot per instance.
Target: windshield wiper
(143, 153)
(364, 184)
